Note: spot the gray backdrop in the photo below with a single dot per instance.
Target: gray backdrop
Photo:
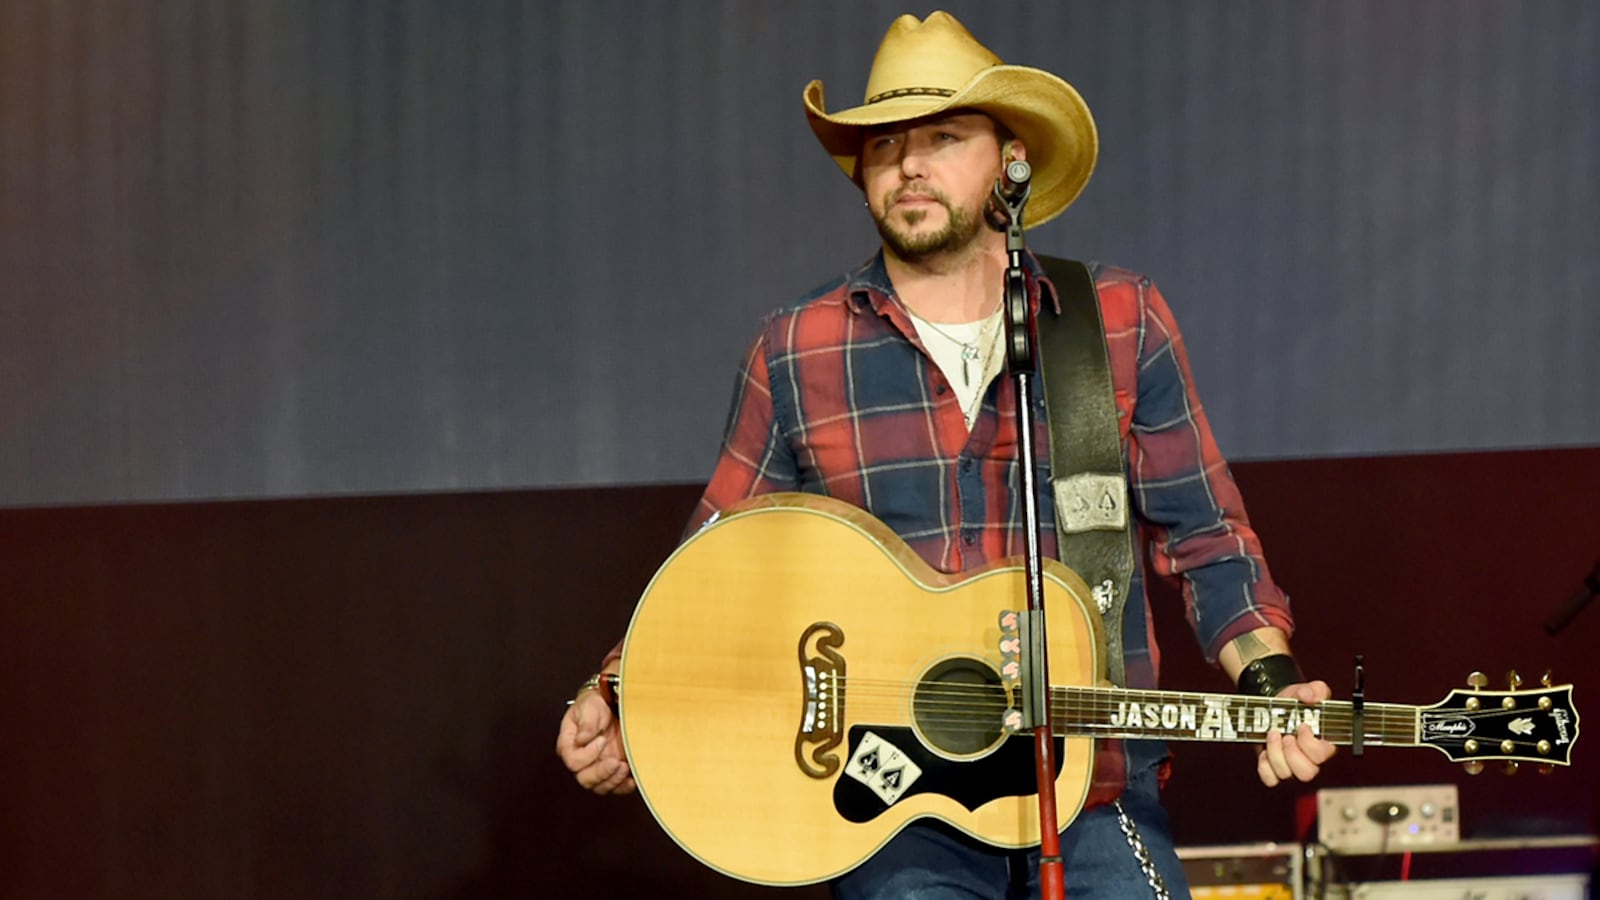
(331, 246)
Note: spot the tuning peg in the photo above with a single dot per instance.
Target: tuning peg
(1477, 680)
(1510, 767)
(1513, 679)
(1474, 767)
(1545, 678)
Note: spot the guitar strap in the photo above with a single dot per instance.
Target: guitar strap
(1086, 470)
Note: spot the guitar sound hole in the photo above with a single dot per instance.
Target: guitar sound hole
(958, 706)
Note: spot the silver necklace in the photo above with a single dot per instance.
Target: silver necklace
(971, 351)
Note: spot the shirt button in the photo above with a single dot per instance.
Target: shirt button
(942, 389)
(966, 465)
(969, 536)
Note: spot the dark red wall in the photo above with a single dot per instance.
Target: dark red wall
(1431, 567)
(357, 697)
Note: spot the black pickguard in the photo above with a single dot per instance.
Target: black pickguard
(1007, 772)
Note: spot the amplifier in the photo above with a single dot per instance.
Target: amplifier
(1266, 871)
(1532, 887)
(1388, 818)
(1242, 892)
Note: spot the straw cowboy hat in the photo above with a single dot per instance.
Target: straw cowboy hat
(928, 67)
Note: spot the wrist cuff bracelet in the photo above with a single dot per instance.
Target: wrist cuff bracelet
(1267, 675)
(601, 682)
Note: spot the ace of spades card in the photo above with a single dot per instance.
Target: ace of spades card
(882, 767)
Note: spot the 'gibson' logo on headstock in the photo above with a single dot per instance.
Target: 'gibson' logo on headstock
(1560, 716)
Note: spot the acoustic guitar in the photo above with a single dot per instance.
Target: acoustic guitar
(797, 686)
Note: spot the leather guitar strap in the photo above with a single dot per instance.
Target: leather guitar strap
(1086, 471)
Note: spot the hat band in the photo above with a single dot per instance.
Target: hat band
(911, 92)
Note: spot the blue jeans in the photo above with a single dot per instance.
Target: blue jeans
(930, 861)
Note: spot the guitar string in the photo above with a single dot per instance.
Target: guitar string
(982, 722)
(1391, 722)
(1335, 727)
(1387, 720)
(1069, 726)
(1374, 717)
(976, 716)
(1403, 738)
(1108, 696)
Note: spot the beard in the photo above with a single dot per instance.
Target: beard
(960, 229)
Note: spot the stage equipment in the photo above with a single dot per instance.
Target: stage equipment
(1389, 818)
(1265, 871)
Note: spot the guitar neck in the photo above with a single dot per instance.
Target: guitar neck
(1185, 716)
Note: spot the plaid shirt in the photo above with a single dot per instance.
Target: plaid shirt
(838, 396)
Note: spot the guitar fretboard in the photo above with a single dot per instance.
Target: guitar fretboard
(1174, 715)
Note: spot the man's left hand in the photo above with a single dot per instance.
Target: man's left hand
(1299, 755)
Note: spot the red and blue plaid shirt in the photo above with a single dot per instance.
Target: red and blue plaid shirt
(838, 396)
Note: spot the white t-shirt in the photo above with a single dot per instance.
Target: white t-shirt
(969, 354)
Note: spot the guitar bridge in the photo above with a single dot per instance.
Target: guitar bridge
(822, 674)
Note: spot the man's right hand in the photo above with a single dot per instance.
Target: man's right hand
(590, 743)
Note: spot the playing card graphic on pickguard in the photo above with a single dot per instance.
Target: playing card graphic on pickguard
(881, 766)
(888, 764)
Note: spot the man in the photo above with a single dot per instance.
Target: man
(882, 390)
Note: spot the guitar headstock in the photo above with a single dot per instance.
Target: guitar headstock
(1475, 726)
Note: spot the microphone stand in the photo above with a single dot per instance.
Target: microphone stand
(1035, 674)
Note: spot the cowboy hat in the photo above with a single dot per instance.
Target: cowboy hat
(933, 66)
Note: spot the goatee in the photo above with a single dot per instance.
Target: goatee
(959, 231)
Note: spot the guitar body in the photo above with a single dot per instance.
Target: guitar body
(787, 683)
